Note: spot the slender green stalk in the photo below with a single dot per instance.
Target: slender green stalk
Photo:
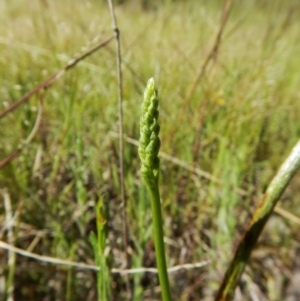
(259, 219)
(69, 291)
(148, 151)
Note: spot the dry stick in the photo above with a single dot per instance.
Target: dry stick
(121, 139)
(287, 215)
(43, 86)
(11, 254)
(53, 260)
(212, 55)
(37, 123)
(48, 82)
(259, 219)
(210, 177)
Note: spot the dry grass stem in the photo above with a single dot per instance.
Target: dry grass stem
(121, 139)
(52, 260)
(11, 240)
(48, 82)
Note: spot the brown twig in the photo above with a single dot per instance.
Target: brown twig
(35, 128)
(121, 139)
(84, 266)
(49, 81)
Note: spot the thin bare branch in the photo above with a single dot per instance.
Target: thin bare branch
(292, 217)
(48, 82)
(121, 134)
(48, 259)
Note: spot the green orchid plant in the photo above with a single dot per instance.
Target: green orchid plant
(148, 151)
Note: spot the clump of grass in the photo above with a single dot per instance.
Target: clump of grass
(148, 151)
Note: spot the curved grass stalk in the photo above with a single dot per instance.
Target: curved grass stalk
(148, 151)
(259, 219)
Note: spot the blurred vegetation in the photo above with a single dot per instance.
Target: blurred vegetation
(238, 126)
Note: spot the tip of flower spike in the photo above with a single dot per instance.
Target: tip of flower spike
(149, 91)
(151, 81)
(151, 84)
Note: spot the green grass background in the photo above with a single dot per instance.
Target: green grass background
(241, 122)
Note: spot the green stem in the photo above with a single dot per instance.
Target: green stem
(159, 243)
(259, 219)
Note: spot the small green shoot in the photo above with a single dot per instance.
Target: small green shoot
(99, 245)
